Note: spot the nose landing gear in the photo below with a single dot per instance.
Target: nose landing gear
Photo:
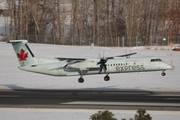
(163, 73)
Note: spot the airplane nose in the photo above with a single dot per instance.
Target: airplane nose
(168, 67)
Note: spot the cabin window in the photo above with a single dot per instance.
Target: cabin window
(156, 60)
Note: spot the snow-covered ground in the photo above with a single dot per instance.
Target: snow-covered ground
(76, 114)
(13, 78)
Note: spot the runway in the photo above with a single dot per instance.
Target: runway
(91, 99)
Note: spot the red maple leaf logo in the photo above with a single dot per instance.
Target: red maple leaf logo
(22, 55)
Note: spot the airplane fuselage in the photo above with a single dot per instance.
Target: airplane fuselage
(85, 66)
(119, 65)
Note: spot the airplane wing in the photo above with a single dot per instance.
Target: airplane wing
(83, 59)
(71, 59)
(86, 64)
(125, 55)
(79, 63)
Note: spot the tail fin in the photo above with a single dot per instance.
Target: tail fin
(23, 52)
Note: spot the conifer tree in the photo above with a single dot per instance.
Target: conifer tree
(142, 115)
(103, 115)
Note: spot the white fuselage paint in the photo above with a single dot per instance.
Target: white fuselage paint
(90, 66)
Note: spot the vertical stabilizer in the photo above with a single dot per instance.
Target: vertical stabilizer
(23, 52)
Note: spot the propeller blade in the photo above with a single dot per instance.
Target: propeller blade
(102, 67)
(99, 55)
(103, 54)
(100, 70)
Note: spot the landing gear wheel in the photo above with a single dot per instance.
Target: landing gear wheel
(106, 78)
(81, 80)
(163, 73)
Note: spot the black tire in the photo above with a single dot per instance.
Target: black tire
(81, 80)
(106, 78)
(163, 74)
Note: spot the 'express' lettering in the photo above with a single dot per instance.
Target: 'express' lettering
(130, 68)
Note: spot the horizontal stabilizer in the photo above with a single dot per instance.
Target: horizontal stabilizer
(17, 41)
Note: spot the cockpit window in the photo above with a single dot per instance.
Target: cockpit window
(156, 60)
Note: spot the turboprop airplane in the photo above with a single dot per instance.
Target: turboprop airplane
(85, 66)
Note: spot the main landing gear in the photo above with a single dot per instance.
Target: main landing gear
(107, 78)
(163, 73)
(81, 80)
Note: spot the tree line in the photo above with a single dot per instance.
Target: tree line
(94, 20)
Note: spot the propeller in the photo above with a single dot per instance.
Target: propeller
(102, 63)
(103, 60)
(128, 55)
